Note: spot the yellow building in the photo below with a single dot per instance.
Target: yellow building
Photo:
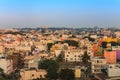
(109, 39)
(77, 73)
(32, 74)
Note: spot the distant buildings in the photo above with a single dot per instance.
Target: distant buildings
(24, 49)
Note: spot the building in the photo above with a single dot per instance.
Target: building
(97, 63)
(110, 56)
(6, 65)
(113, 70)
(95, 47)
(23, 48)
(32, 74)
(118, 54)
(31, 62)
(73, 55)
(77, 72)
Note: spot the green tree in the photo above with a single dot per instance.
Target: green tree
(85, 57)
(67, 74)
(119, 42)
(71, 43)
(4, 76)
(49, 45)
(99, 51)
(60, 57)
(51, 67)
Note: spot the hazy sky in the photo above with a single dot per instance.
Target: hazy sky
(59, 13)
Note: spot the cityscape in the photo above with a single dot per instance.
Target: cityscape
(60, 53)
(59, 40)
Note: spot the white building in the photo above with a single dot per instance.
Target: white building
(97, 63)
(6, 65)
(73, 55)
(113, 70)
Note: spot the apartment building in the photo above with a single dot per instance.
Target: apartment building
(97, 63)
(73, 55)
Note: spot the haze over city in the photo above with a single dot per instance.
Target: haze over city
(59, 13)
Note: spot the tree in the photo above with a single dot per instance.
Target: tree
(104, 44)
(119, 42)
(114, 43)
(99, 51)
(51, 67)
(85, 57)
(49, 45)
(60, 57)
(67, 74)
(1, 71)
(71, 43)
(4, 76)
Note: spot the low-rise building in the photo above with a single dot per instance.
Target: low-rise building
(77, 72)
(23, 48)
(97, 63)
(73, 55)
(32, 74)
(113, 70)
(31, 62)
(110, 56)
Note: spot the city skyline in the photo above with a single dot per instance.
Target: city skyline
(59, 13)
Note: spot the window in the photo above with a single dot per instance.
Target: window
(67, 55)
(97, 61)
(40, 76)
(32, 74)
(75, 59)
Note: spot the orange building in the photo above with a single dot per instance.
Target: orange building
(110, 56)
(95, 47)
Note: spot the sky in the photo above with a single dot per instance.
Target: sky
(59, 13)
